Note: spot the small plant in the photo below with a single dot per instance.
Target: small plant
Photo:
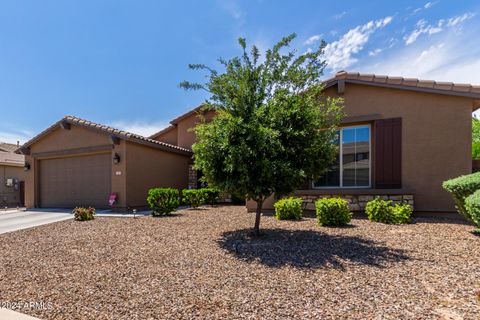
(333, 212)
(472, 206)
(211, 195)
(288, 209)
(83, 214)
(163, 201)
(384, 211)
(461, 188)
(193, 197)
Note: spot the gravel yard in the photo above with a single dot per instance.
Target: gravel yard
(202, 264)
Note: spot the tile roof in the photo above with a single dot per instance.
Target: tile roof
(448, 88)
(133, 137)
(8, 147)
(165, 130)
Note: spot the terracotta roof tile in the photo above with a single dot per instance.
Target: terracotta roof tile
(460, 89)
(107, 129)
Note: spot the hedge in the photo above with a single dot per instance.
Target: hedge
(193, 197)
(462, 187)
(288, 209)
(163, 201)
(333, 212)
(472, 206)
(84, 214)
(379, 210)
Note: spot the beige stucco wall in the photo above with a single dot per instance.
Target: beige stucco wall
(170, 136)
(436, 138)
(186, 137)
(150, 168)
(10, 196)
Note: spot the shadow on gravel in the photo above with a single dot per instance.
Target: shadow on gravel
(307, 249)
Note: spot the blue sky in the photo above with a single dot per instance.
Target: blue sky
(119, 62)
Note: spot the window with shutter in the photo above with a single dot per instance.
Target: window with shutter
(388, 153)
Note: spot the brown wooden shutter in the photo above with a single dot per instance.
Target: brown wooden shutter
(388, 153)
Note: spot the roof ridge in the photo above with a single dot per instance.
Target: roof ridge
(439, 86)
(105, 128)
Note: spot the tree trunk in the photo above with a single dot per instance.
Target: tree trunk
(256, 229)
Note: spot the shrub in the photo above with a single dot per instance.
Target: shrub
(83, 214)
(288, 209)
(211, 195)
(333, 212)
(379, 210)
(460, 188)
(472, 206)
(193, 197)
(163, 201)
(402, 213)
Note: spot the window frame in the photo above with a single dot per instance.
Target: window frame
(369, 125)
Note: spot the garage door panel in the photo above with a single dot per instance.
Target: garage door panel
(75, 181)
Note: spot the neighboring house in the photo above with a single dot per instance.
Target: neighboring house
(400, 139)
(11, 175)
(76, 162)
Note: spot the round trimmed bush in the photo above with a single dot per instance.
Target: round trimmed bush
(472, 206)
(193, 197)
(288, 209)
(333, 212)
(462, 187)
(84, 214)
(163, 201)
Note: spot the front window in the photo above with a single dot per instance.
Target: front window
(351, 168)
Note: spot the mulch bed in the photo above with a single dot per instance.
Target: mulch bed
(203, 264)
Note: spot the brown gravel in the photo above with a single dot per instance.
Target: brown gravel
(202, 264)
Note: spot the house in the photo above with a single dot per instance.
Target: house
(76, 162)
(11, 176)
(400, 139)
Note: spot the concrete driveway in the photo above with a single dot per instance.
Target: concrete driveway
(17, 220)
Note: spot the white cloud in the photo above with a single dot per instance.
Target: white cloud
(456, 20)
(340, 15)
(422, 28)
(234, 10)
(340, 54)
(313, 39)
(375, 52)
(451, 57)
(429, 5)
(14, 135)
(140, 127)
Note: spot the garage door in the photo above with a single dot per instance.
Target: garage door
(75, 181)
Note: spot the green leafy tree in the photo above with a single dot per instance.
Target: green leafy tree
(273, 128)
(475, 138)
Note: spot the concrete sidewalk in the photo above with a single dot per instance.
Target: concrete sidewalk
(18, 220)
(7, 314)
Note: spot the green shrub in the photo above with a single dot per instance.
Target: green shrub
(288, 209)
(193, 197)
(211, 195)
(379, 210)
(476, 150)
(83, 214)
(163, 201)
(460, 188)
(472, 206)
(333, 212)
(402, 213)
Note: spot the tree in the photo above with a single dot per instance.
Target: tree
(273, 128)
(475, 138)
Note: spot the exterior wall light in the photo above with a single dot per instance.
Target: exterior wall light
(26, 166)
(116, 158)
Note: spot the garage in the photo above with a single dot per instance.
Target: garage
(75, 181)
(76, 162)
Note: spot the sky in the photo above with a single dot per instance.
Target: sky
(120, 62)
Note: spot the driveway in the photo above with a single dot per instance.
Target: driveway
(17, 220)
